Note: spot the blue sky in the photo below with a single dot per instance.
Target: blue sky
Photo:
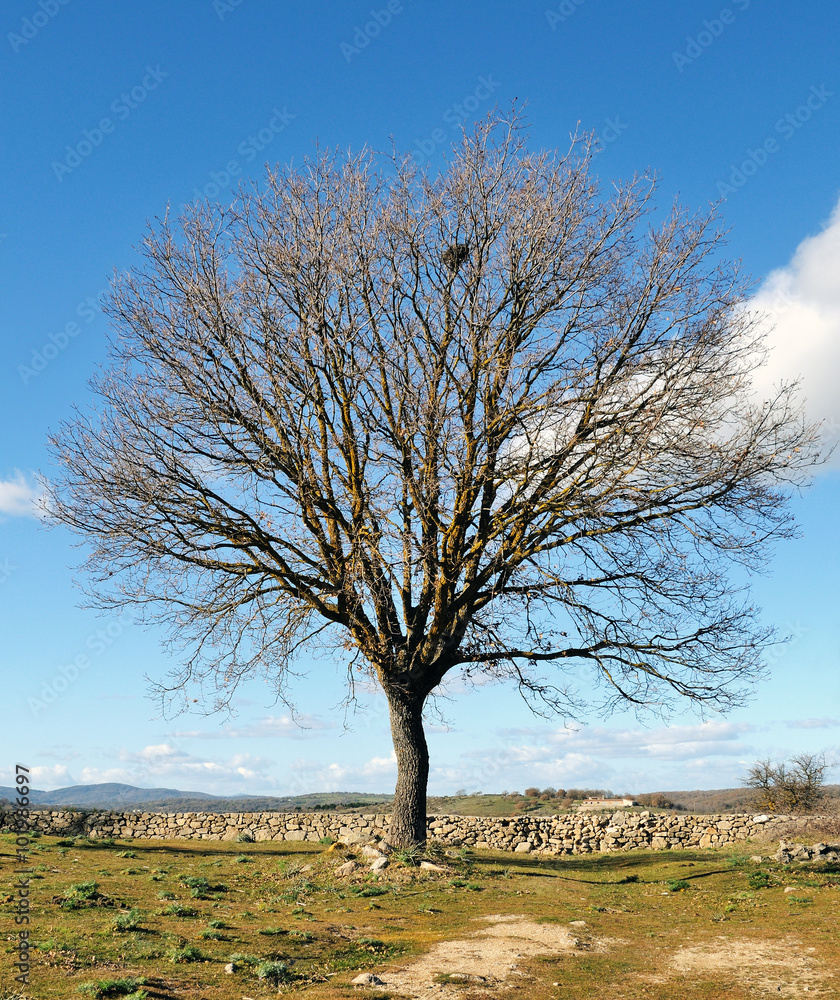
(112, 111)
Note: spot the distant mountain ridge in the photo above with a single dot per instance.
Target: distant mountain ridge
(113, 795)
(102, 795)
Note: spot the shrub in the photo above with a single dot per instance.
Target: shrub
(85, 890)
(127, 986)
(758, 880)
(179, 910)
(243, 959)
(274, 972)
(187, 954)
(129, 921)
(200, 887)
(80, 895)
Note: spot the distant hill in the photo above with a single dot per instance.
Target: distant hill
(725, 800)
(106, 795)
(112, 795)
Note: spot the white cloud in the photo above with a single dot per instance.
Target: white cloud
(20, 497)
(824, 723)
(61, 751)
(316, 776)
(802, 300)
(164, 764)
(623, 759)
(666, 742)
(300, 728)
(55, 776)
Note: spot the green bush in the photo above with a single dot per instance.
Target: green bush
(758, 880)
(200, 887)
(187, 954)
(85, 890)
(80, 895)
(274, 972)
(129, 921)
(129, 986)
(243, 959)
(179, 910)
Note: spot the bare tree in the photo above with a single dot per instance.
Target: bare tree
(793, 786)
(492, 421)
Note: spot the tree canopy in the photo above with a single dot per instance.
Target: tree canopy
(495, 420)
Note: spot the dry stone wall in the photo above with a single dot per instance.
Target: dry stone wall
(567, 834)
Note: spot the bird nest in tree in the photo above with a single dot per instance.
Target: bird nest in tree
(455, 255)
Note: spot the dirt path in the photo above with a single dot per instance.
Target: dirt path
(489, 957)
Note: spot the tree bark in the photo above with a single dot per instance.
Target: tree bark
(408, 817)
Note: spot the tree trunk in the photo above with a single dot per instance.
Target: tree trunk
(408, 818)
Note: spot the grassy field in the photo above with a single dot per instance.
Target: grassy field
(160, 919)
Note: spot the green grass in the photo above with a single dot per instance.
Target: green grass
(129, 921)
(189, 953)
(179, 910)
(274, 972)
(129, 986)
(319, 930)
(758, 880)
